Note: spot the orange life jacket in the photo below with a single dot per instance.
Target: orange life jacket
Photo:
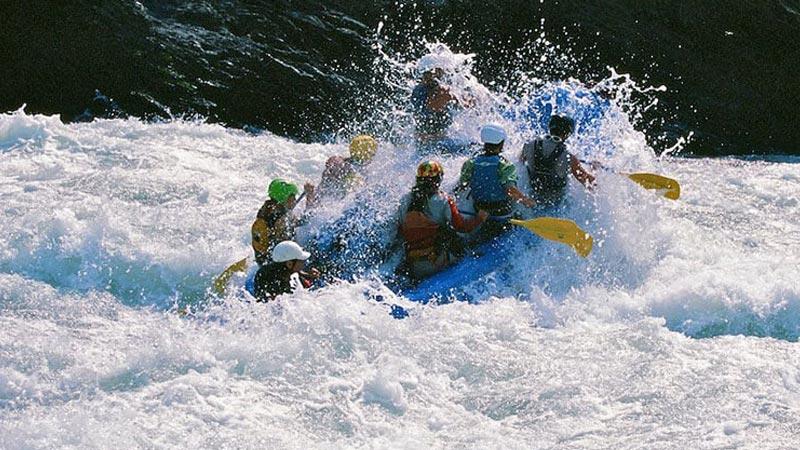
(418, 230)
(420, 233)
(424, 236)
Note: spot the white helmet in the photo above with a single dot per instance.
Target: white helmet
(492, 133)
(288, 251)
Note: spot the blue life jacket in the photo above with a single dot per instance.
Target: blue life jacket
(485, 182)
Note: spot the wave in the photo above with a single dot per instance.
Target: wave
(108, 226)
(123, 207)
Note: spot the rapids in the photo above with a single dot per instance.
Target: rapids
(680, 329)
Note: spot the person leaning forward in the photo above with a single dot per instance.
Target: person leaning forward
(344, 174)
(430, 223)
(549, 163)
(285, 273)
(274, 222)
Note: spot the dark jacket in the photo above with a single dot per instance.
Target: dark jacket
(274, 279)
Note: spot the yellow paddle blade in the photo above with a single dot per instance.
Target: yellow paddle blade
(559, 230)
(668, 187)
(221, 282)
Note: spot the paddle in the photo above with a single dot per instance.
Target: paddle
(667, 187)
(221, 281)
(559, 230)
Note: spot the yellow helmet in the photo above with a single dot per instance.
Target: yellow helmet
(363, 148)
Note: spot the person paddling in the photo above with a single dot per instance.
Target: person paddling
(433, 106)
(549, 164)
(285, 273)
(492, 182)
(274, 221)
(341, 174)
(431, 223)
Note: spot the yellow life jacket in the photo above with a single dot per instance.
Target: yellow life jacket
(270, 227)
(261, 235)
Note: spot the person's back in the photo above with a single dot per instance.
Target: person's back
(271, 280)
(491, 173)
(492, 181)
(421, 226)
(548, 165)
(430, 224)
(284, 273)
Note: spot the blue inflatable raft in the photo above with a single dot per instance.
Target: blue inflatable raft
(354, 245)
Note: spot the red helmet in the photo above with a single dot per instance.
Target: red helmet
(430, 169)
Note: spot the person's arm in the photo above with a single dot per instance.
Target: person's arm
(402, 210)
(311, 194)
(461, 224)
(259, 235)
(518, 196)
(327, 178)
(523, 154)
(580, 173)
(308, 277)
(467, 100)
(266, 287)
(508, 178)
(419, 98)
(466, 176)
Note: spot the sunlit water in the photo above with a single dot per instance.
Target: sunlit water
(679, 331)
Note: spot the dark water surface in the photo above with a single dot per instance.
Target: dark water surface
(307, 68)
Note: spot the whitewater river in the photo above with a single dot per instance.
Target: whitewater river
(679, 331)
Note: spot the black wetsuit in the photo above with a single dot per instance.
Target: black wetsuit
(271, 280)
(274, 279)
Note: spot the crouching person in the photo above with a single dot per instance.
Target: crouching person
(431, 223)
(285, 273)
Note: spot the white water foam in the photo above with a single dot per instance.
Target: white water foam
(652, 342)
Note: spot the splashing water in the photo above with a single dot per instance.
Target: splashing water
(107, 225)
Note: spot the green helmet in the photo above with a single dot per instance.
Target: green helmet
(280, 190)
